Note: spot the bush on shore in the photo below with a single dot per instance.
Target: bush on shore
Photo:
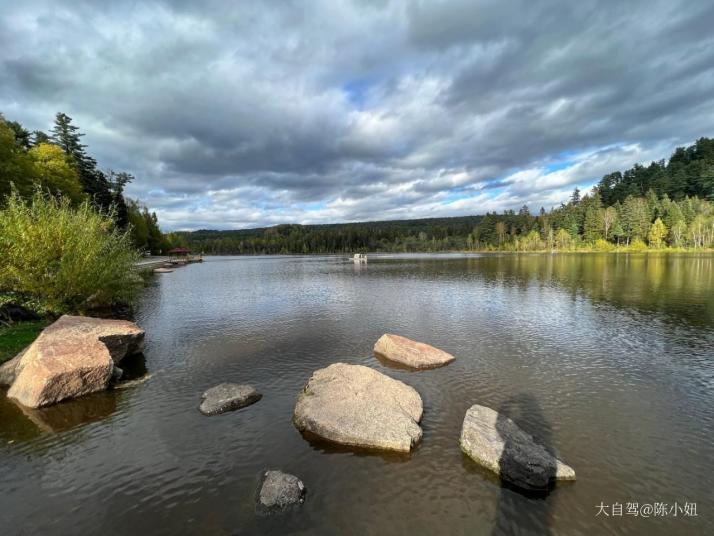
(603, 245)
(56, 258)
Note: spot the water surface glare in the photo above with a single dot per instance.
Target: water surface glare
(607, 359)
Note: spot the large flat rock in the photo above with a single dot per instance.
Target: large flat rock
(72, 357)
(497, 443)
(358, 406)
(412, 354)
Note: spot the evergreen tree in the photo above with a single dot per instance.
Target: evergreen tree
(575, 197)
(40, 137)
(22, 136)
(68, 137)
(117, 183)
(618, 232)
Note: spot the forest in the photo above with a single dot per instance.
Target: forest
(667, 204)
(59, 165)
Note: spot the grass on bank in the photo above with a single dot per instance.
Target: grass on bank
(14, 338)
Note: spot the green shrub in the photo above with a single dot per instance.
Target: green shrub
(56, 258)
(638, 245)
(603, 245)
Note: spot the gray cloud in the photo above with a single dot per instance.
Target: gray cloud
(264, 112)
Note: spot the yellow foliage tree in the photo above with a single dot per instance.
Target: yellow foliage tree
(562, 239)
(55, 173)
(658, 232)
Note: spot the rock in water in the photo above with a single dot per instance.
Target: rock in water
(360, 407)
(227, 397)
(74, 356)
(497, 443)
(417, 355)
(117, 374)
(8, 370)
(278, 491)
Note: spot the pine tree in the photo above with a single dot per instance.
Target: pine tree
(117, 182)
(575, 197)
(22, 136)
(94, 183)
(68, 137)
(39, 137)
(593, 226)
(618, 232)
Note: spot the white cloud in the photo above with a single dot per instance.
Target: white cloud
(245, 114)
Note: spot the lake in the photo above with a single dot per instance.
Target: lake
(607, 359)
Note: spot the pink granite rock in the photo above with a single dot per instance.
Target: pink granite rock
(410, 353)
(74, 356)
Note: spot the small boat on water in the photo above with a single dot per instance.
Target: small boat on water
(359, 258)
(162, 271)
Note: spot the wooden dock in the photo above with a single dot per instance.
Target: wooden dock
(153, 262)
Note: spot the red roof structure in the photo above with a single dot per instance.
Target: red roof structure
(179, 251)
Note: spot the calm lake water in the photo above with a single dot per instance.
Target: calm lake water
(608, 359)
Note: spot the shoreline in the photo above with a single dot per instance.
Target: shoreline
(666, 251)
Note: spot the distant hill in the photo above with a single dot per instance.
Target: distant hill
(663, 204)
(336, 237)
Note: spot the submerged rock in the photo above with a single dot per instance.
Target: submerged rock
(227, 397)
(497, 443)
(412, 354)
(73, 357)
(278, 491)
(360, 407)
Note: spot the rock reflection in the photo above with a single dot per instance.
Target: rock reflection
(72, 413)
(20, 423)
(520, 508)
(327, 447)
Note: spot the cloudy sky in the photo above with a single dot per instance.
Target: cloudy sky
(244, 114)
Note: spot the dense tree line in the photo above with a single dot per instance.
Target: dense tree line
(58, 164)
(437, 234)
(661, 205)
(689, 173)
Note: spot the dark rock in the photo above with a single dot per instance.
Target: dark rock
(227, 397)
(279, 491)
(17, 313)
(117, 374)
(497, 443)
